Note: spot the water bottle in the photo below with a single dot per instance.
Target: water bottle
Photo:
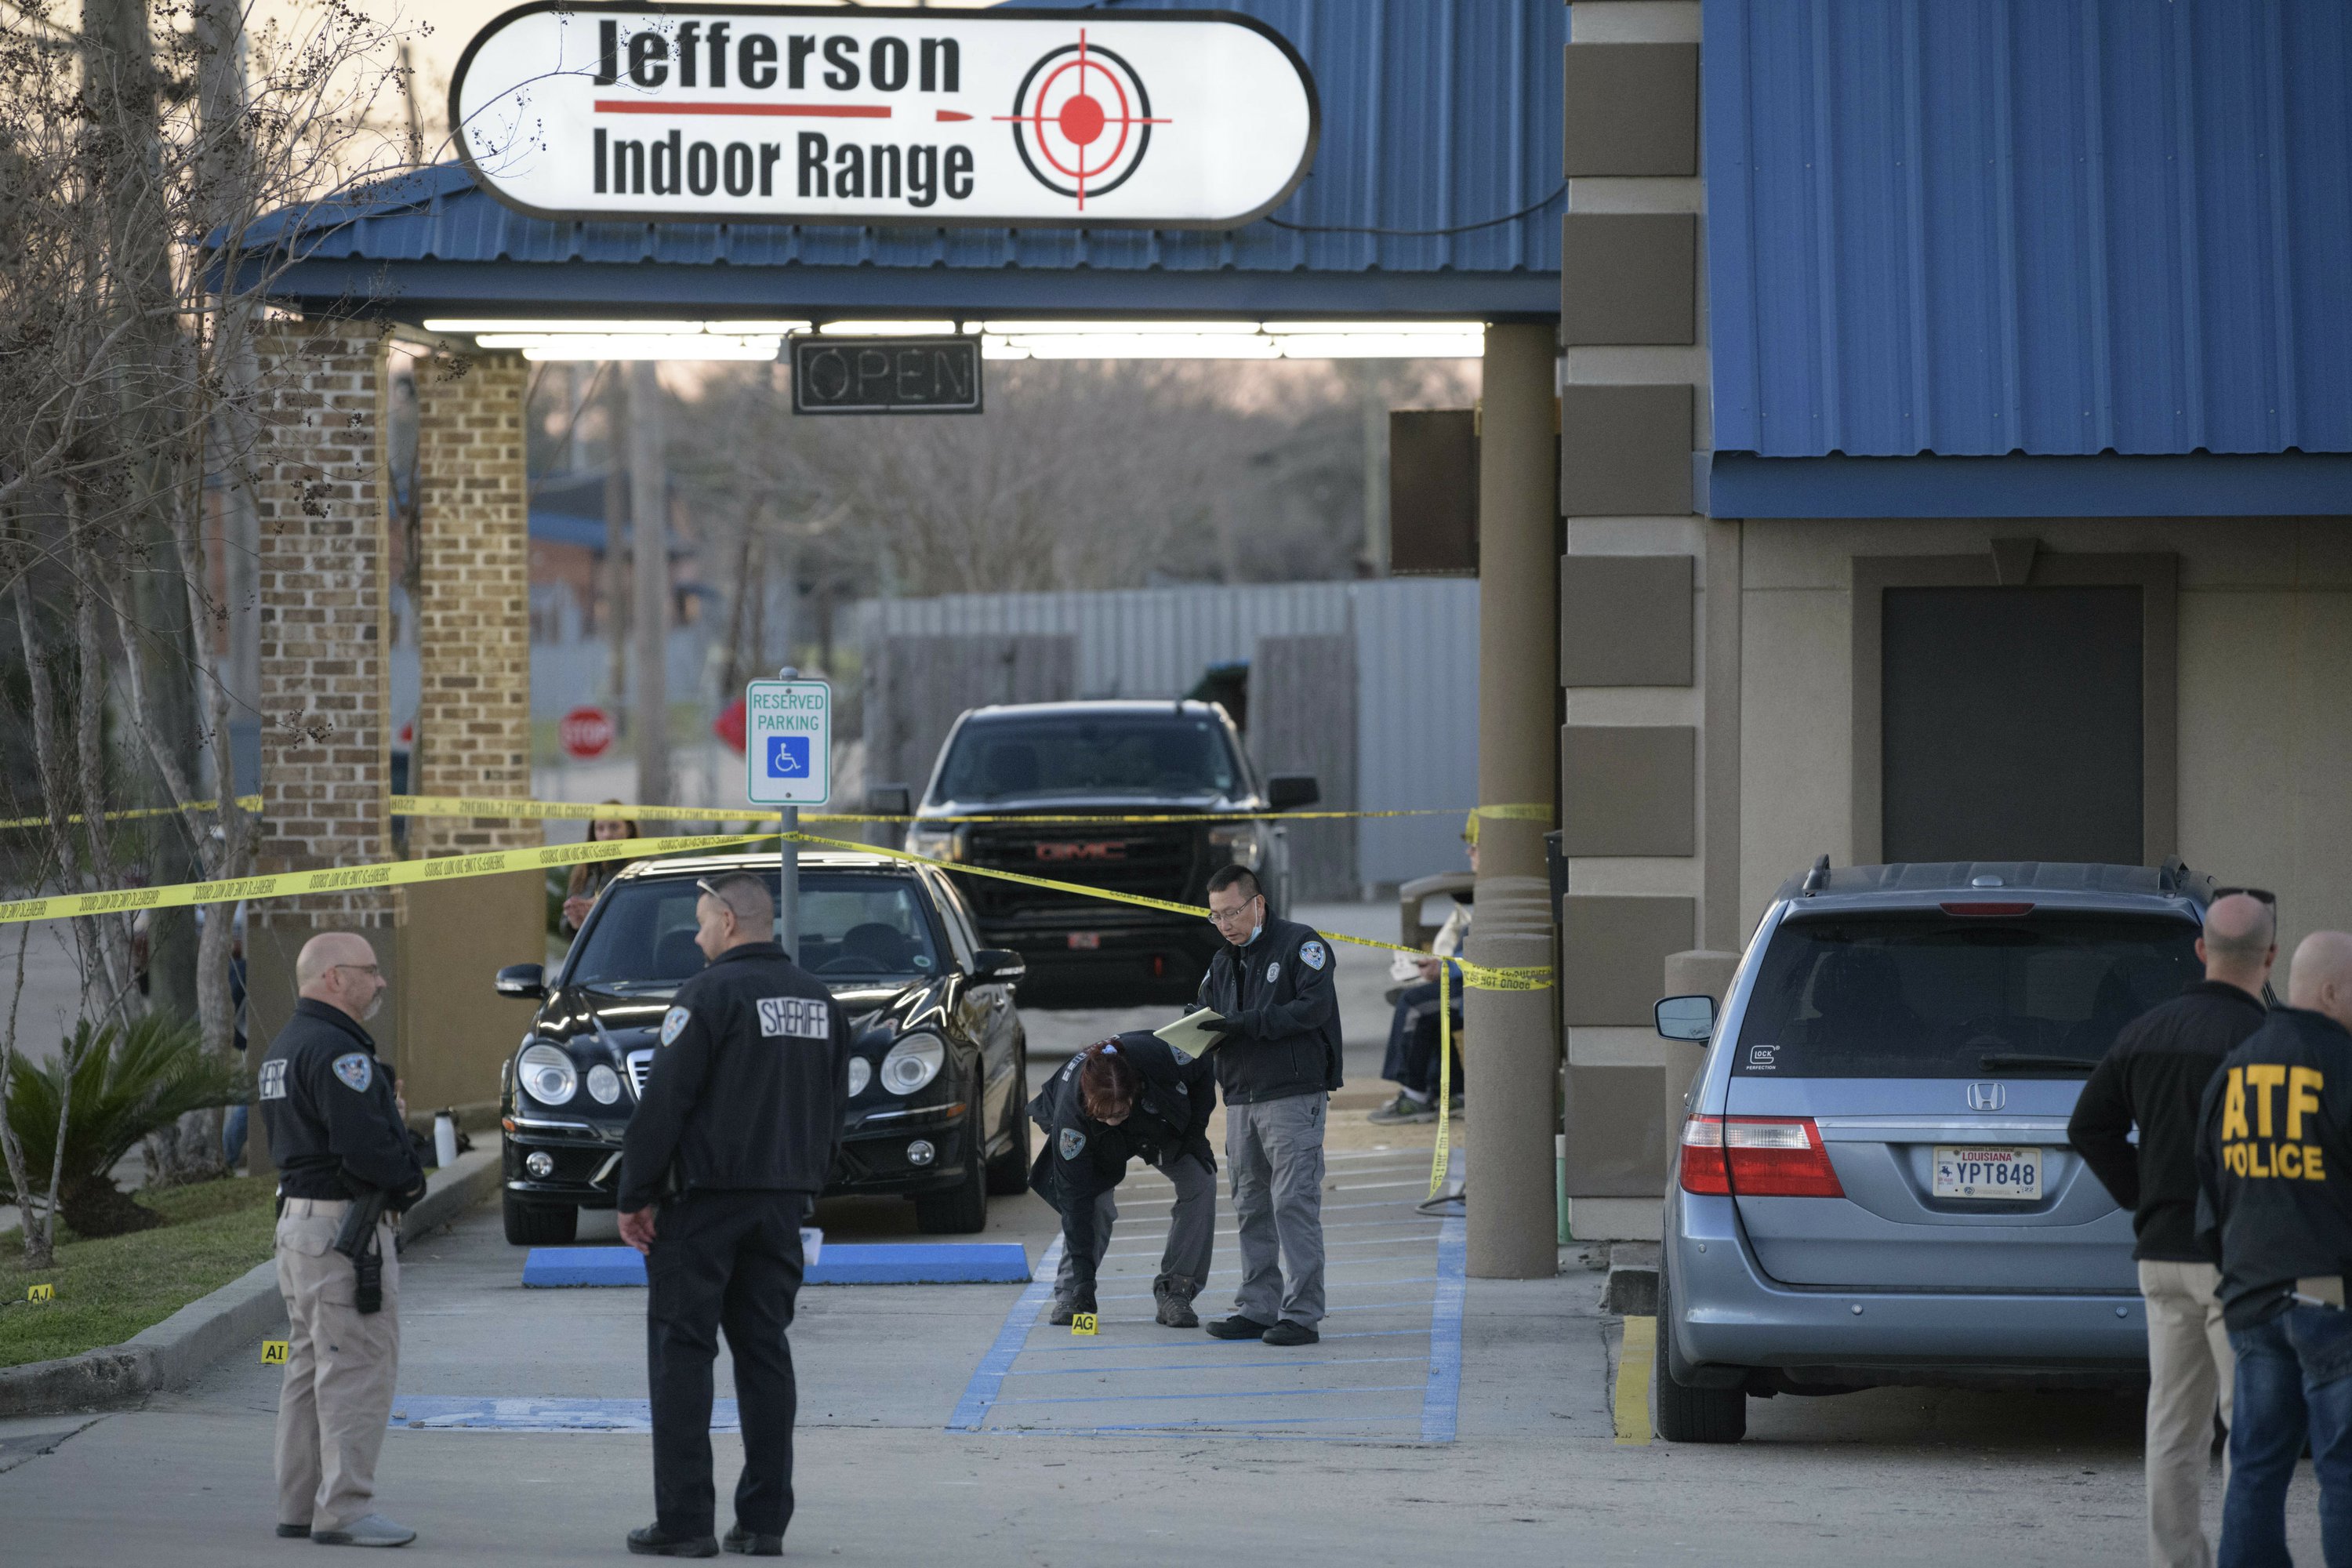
(445, 1139)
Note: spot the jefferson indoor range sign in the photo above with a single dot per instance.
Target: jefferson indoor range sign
(1168, 119)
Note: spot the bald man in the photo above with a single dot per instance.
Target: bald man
(336, 1132)
(2155, 1077)
(2275, 1164)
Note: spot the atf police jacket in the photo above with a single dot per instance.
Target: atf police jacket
(333, 1121)
(1083, 1158)
(1279, 989)
(747, 1090)
(2274, 1163)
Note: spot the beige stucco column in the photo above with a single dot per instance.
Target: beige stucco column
(1512, 1051)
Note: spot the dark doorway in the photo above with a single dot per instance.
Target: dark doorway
(2012, 724)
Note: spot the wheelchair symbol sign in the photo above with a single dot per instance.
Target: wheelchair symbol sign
(788, 756)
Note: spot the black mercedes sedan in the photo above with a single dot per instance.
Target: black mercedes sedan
(936, 1085)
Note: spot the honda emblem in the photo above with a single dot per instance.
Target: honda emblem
(1987, 1096)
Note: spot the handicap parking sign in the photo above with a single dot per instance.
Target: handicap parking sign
(788, 742)
(788, 756)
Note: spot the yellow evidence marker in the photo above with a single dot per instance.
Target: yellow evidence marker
(41, 1292)
(273, 1353)
(1082, 1323)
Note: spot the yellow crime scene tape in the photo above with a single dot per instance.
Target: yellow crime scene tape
(249, 802)
(496, 862)
(590, 811)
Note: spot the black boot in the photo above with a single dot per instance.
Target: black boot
(1174, 1293)
(653, 1541)
(751, 1544)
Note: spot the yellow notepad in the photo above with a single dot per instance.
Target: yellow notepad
(1186, 1034)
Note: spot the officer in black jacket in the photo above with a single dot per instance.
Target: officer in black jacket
(2154, 1077)
(1271, 985)
(2275, 1162)
(336, 1132)
(1133, 1096)
(733, 1140)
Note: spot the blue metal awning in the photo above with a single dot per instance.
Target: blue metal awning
(1438, 115)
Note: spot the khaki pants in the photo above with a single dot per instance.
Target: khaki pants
(340, 1365)
(2191, 1370)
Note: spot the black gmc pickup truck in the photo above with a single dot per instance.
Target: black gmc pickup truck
(1084, 760)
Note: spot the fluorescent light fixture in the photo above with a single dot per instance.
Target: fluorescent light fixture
(633, 346)
(888, 328)
(1376, 346)
(470, 327)
(1112, 329)
(1377, 329)
(1167, 345)
(755, 329)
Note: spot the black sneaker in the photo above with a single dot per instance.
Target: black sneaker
(751, 1544)
(1237, 1328)
(1062, 1313)
(1286, 1332)
(653, 1541)
(1404, 1107)
(293, 1532)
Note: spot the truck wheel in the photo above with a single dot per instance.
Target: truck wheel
(1688, 1415)
(1008, 1174)
(538, 1225)
(962, 1208)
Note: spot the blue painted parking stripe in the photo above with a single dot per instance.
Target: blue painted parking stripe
(1214, 1393)
(988, 1377)
(1211, 1422)
(1410, 1279)
(1441, 1401)
(1226, 1365)
(887, 1263)
(1114, 1350)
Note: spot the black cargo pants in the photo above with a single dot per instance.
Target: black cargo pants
(730, 1260)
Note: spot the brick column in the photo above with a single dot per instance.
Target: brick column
(324, 693)
(473, 716)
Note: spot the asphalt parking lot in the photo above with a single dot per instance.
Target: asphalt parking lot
(949, 1424)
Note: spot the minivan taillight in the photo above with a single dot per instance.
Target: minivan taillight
(1757, 1157)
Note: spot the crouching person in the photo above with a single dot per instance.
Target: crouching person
(1132, 1097)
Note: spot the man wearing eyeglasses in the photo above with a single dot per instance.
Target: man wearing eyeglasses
(336, 1132)
(1271, 986)
(2155, 1076)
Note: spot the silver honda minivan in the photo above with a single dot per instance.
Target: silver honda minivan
(1873, 1183)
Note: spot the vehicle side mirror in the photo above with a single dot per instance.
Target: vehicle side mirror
(522, 979)
(1292, 792)
(1686, 1018)
(998, 964)
(889, 800)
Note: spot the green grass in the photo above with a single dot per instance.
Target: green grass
(108, 1290)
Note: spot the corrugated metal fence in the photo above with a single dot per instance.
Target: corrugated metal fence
(1416, 697)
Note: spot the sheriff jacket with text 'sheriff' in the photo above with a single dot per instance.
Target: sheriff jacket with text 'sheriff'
(2274, 1163)
(747, 1086)
(329, 1108)
(1279, 990)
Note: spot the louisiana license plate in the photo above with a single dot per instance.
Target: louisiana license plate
(1086, 940)
(2010, 1175)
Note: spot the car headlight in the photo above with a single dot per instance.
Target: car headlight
(603, 1084)
(1242, 842)
(936, 843)
(548, 1075)
(861, 1073)
(913, 1062)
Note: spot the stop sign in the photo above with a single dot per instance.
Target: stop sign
(585, 732)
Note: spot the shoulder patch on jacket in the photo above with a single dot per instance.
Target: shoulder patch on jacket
(1183, 1058)
(1313, 955)
(674, 1023)
(357, 1070)
(1074, 1142)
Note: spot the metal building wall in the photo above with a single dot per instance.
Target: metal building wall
(1416, 661)
(2052, 226)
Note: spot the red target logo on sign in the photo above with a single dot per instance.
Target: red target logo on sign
(1081, 120)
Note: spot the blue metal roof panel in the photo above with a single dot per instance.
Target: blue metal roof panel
(1435, 114)
(2054, 227)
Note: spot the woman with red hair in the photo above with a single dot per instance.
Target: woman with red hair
(1134, 1096)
